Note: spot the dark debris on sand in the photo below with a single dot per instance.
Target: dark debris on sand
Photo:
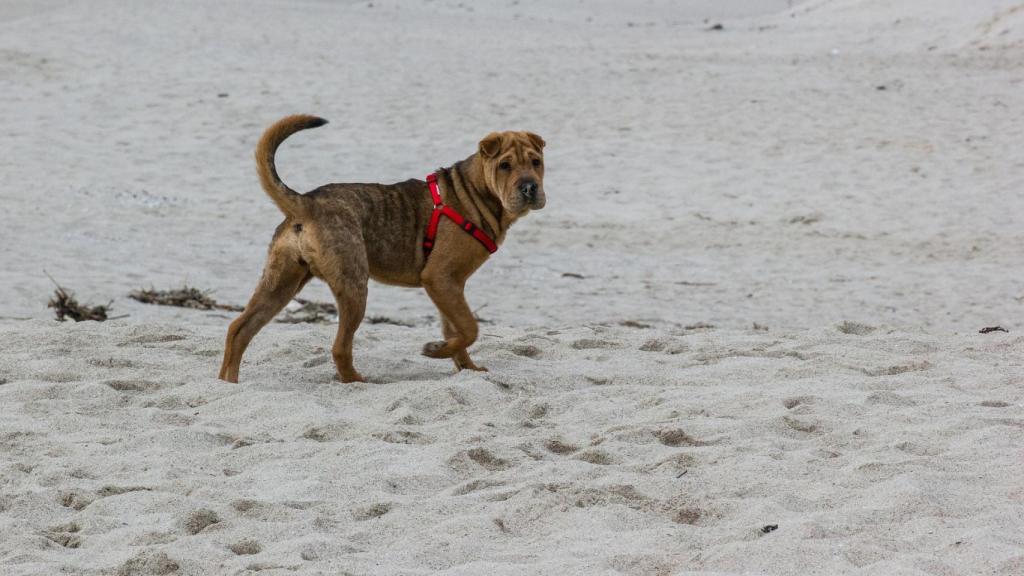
(66, 306)
(326, 313)
(387, 320)
(310, 312)
(184, 297)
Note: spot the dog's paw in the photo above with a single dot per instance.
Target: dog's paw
(433, 349)
(351, 377)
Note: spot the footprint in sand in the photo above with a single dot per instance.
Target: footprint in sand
(526, 350)
(403, 437)
(269, 511)
(132, 385)
(653, 346)
(74, 500)
(108, 491)
(537, 411)
(236, 442)
(174, 419)
(593, 344)
(918, 449)
(676, 437)
(485, 458)
(475, 485)
(897, 369)
(148, 563)
(597, 457)
(315, 434)
(643, 564)
(677, 465)
(855, 328)
(687, 516)
(246, 547)
(176, 403)
(805, 425)
(318, 361)
(372, 511)
(556, 446)
(795, 401)
(65, 535)
(153, 538)
(886, 398)
(59, 377)
(200, 520)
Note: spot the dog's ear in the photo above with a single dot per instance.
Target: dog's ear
(491, 145)
(537, 141)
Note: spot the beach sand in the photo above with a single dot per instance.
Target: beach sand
(742, 337)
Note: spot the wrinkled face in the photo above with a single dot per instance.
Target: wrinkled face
(514, 169)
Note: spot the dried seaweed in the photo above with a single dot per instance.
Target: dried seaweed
(387, 320)
(184, 297)
(66, 306)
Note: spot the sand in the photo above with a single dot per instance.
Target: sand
(752, 301)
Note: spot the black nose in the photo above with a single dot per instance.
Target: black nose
(528, 190)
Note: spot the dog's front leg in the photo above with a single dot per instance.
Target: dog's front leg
(461, 359)
(460, 328)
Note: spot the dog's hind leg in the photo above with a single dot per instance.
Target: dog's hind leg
(283, 277)
(347, 276)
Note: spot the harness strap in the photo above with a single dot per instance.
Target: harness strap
(440, 209)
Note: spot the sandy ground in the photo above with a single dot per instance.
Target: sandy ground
(803, 219)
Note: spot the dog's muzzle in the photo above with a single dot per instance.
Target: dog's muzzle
(529, 191)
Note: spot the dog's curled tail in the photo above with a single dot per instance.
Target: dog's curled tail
(288, 200)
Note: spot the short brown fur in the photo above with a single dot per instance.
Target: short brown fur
(346, 234)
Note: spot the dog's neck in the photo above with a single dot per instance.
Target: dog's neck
(469, 194)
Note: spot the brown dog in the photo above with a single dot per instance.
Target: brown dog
(346, 234)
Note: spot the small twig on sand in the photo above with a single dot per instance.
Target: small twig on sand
(478, 318)
(992, 329)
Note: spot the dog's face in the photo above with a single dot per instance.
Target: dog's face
(514, 169)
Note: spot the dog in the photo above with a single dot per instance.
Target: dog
(432, 233)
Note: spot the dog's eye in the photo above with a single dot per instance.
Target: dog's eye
(536, 162)
(505, 166)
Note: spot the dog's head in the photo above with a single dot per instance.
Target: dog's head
(513, 164)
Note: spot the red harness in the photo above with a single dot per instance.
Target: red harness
(441, 210)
